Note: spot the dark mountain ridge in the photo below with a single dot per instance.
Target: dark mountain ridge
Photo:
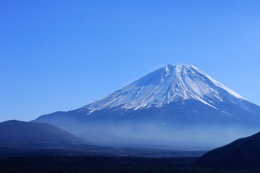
(243, 153)
(17, 134)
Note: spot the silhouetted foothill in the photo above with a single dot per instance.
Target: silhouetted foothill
(243, 153)
(17, 134)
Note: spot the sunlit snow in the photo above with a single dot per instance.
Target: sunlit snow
(166, 85)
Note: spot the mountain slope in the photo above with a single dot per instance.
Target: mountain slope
(23, 134)
(243, 153)
(165, 85)
(176, 105)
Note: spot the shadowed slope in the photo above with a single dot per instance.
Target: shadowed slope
(243, 153)
(17, 134)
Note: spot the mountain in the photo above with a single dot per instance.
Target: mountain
(19, 134)
(166, 85)
(176, 106)
(243, 153)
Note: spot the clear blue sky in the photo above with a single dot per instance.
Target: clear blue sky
(63, 54)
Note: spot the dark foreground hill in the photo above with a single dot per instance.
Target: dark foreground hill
(97, 165)
(65, 164)
(241, 154)
(19, 134)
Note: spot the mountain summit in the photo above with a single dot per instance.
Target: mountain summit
(176, 105)
(171, 83)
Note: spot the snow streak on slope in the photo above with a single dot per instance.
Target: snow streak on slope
(168, 84)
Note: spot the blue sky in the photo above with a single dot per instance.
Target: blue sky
(63, 54)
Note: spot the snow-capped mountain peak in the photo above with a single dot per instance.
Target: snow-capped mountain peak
(171, 83)
(174, 105)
